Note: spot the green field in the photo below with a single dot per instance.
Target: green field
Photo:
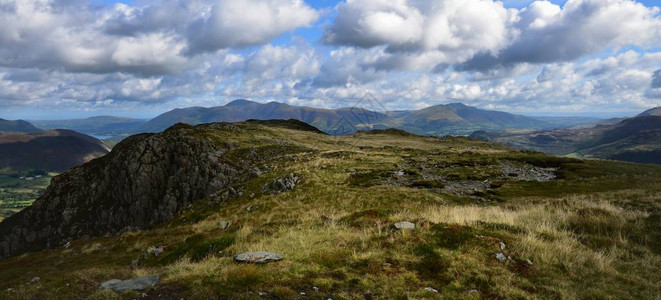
(17, 193)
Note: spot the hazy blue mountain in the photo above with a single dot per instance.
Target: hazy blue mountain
(101, 125)
(17, 126)
(453, 118)
(328, 120)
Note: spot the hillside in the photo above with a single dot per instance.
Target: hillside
(457, 119)
(17, 126)
(101, 125)
(460, 119)
(651, 112)
(635, 139)
(377, 214)
(54, 150)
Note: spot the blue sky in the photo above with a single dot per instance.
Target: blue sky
(70, 59)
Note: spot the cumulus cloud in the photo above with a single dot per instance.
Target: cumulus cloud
(157, 39)
(548, 33)
(453, 29)
(479, 35)
(245, 23)
(656, 79)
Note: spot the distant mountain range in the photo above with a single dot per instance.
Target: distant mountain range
(101, 125)
(456, 118)
(52, 150)
(636, 139)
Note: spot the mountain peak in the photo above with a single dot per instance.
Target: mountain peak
(240, 102)
(17, 126)
(654, 112)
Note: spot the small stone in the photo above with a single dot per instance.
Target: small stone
(501, 257)
(431, 289)
(324, 167)
(529, 262)
(261, 293)
(252, 207)
(387, 265)
(35, 280)
(315, 289)
(258, 257)
(502, 246)
(156, 251)
(404, 225)
(224, 224)
(303, 294)
(472, 291)
(135, 284)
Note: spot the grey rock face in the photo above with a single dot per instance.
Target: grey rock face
(147, 179)
(281, 185)
(135, 284)
(258, 257)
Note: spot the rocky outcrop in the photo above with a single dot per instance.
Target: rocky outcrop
(146, 180)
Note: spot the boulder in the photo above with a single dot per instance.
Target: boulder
(405, 225)
(258, 257)
(224, 224)
(135, 284)
(501, 257)
(156, 251)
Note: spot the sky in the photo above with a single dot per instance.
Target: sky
(138, 58)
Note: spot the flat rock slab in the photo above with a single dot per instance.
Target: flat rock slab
(258, 257)
(404, 225)
(135, 284)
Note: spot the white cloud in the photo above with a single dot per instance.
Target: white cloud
(243, 23)
(435, 31)
(548, 33)
(157, 39)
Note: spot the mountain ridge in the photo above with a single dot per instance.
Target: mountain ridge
(17, 126)
(51, 150)
(453, 118)
(636, 139)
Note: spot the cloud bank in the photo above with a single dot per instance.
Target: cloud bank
(408, 53)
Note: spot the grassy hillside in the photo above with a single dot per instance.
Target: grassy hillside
(566, 228)
(635, 139)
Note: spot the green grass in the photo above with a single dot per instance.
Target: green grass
(592, 233)
(17, 193)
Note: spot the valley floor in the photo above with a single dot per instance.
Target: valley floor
(593, 231)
